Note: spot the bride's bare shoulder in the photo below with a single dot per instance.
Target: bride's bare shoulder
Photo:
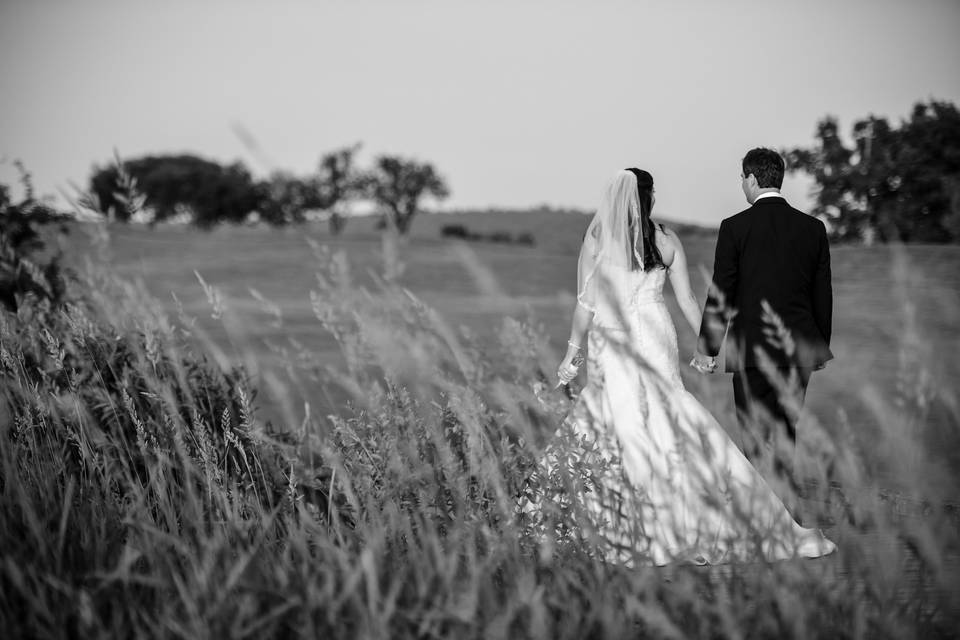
(668, 242)
(667, 232)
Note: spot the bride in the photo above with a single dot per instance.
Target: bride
(688, 490)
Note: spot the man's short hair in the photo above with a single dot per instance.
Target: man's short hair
(766, 165)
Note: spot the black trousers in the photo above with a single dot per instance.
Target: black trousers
(768, 415)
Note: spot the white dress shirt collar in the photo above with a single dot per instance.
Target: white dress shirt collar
(768, 194)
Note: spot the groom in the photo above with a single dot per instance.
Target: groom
(769, 253)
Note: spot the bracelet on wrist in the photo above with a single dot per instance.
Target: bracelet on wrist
(575, 346)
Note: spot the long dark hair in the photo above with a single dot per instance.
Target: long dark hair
(648, 230)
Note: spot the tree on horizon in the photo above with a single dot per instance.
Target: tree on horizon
(169, 183)
(895, 183)
(398, 185)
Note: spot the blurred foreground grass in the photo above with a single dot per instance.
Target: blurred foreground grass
(152, 488)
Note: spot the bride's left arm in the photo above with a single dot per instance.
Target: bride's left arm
(680, 281)
(582, 313)
(579, 328)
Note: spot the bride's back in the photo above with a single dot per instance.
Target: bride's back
(622, 291)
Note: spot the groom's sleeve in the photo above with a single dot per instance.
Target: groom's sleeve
(713, 326)
(822, 290)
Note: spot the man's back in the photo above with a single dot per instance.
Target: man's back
(770, 253)
(775, 253)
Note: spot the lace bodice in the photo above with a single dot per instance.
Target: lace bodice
(646, 287)
(620, 293)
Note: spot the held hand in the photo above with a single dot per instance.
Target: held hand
(703, 364)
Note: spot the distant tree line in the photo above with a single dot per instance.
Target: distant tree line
(159, 188)
(895, 183)
(461, 232)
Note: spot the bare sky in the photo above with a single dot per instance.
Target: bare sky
(517, 103)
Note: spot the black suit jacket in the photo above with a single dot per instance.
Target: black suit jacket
(776, 253)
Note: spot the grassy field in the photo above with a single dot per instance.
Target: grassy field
(879, 292)
(149, 489)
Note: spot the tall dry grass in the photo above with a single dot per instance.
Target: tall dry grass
(143, 495)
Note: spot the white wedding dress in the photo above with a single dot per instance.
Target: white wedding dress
(685, 492)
